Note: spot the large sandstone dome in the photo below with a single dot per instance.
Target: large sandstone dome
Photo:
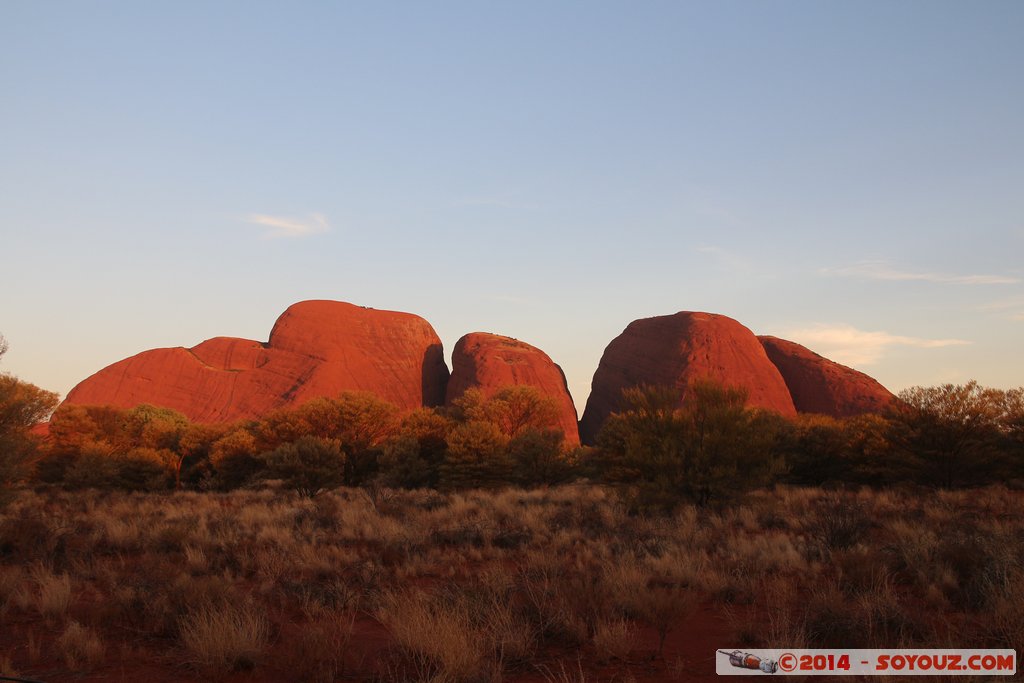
(316, 348)
(489, 362)
(819, 385)
(673, 350)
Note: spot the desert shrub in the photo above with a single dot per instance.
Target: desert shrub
(22, 405)
(954, 435)
(361, 421)
(477, 457)
(234, 458)
(404, 464)
(839, 523)
(538, 458)
(139, 469)
(664, 605)
(413, 457)
(93, 468)
(224, 638)
(73, 427)
(309, 465)
(145, 469)
(512, 409)
(711, 448)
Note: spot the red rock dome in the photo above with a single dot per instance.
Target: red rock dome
(819, 385)
(317, 348)
(489, 362)
(673, 350)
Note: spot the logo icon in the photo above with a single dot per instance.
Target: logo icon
(745, 660)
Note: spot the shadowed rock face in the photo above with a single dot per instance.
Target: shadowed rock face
(317, 348)
(673, 350)
(489, 362)
(819, 385)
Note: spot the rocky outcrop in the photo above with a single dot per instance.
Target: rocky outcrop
(489, 362)
(673, 350)
(819, 385)
(316, 348)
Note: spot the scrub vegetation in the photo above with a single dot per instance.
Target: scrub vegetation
(345, 540)
(493, 585)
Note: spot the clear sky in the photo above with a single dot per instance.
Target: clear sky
(849, 175)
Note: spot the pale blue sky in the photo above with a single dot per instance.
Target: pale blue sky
(847, 175)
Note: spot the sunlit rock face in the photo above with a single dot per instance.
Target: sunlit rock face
(489, 362)
(819, 385)
(316, 348)
(673, 350)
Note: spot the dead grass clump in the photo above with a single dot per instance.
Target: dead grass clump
(876, 618)
(53, 592)
(614, 639)
(884, 619)
(829, 619)
(665, 606)
(1006, 628)
(839, 523)
(438, 636)
(31, 535)
(80, 646)
(319, 650)
(547, 606)
(224, 638)
(12, 586)
(7, 667)
(563, 675)
(861, 569)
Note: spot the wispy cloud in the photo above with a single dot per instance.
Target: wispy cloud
(507, 299)
(495, 202)
(723, 256)
(848, 345)
(880, 270)
(284, 226)
(1012, 308)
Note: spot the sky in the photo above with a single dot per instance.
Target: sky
(848, 175)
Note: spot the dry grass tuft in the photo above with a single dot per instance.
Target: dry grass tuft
(615, 639)
(319, 651)
(439, 637)
(53, 592)
(80, 646)
(224, 638)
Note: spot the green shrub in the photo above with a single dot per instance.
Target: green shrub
(309, 465)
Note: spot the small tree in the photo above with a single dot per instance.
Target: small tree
(515, 409)
(413, 457)
(538, 457)
(477, 457)
(309, 465)
(234, 458)
(22, 406)
(708, 449)
(951, 434)
(157, 429)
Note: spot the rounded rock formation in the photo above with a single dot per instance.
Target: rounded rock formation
(316, 348)
(819, 385)
(673, 350)
(489, 362)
